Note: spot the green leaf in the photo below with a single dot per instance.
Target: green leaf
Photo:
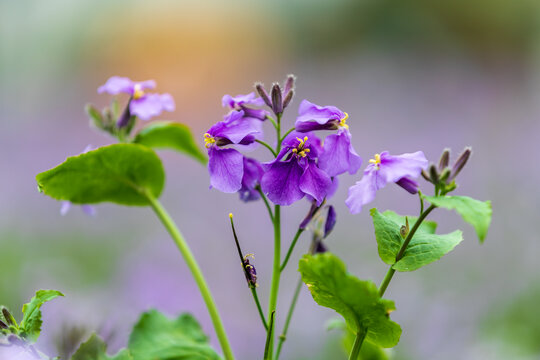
(30, 325)
(425, 246)
(155, 337)
(426, 226)
(475, 212)
(170, 135)
(119, 173)
(96, 349)
(356, 300)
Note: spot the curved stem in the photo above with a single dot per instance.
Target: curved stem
(291, 248)
(266, 203)
(358, 341)
(261, 313)
(267, 146)
(287, 133)
(272, 302)
(195, 271)
(401, 252)
(283, 335)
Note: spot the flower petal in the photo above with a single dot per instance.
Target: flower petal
(151, 105)
(226, 168)
(315, 117)
(315, 182)
(394, 167)
(363, 191)
(338, 155)
(253, 173)
(281, 182)
(116, 85)
(240, 100)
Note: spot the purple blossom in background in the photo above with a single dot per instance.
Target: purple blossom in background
(141, 104)
(338, 155)
(241, 102)
(288, 181)
(384, 169)
(226, 165)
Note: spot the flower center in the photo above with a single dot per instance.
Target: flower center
(137, 91)
(209, 140)
(343, 121)
(376, 161)
(300, 148)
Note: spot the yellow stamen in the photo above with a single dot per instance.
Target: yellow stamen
(249, 255)
(137, 91)
(376, 161)
(208, 140)
(343, 121)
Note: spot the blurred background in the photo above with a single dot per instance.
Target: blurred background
(413, 75)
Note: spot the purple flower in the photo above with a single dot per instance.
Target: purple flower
(240, 102)
(386, 168)
(141, 104)
(253, 172)
(314, 117)
(226, 165)
(288, 181)
(338, 155)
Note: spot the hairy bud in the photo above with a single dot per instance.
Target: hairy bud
(277, 99)
(263, 94)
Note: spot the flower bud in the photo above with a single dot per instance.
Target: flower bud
(288, 97)
(3, 325)
(408, 184)
(277, 99)
(460, 162)
(96, 118)
(263, 94)
(123, 121)
(8, 317)
(433, 174)
(443, 161)
(309, 215)
(289, 83)
(444, 175)
(404, 230)
(320, 248)
(425, 175)
(330, 221)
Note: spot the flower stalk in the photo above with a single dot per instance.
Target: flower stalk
(195, 271)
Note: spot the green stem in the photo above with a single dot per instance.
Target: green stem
(267, 146)
(272, 302)
(358, 341)
(266, 203)
(291, 248)
(278, 133)
(283, 335)
(267, 345)
(195, 271)
(287, 133)
(261, 313)
(272, 121)
(401, 252)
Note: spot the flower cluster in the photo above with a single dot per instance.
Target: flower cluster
(304, 166)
